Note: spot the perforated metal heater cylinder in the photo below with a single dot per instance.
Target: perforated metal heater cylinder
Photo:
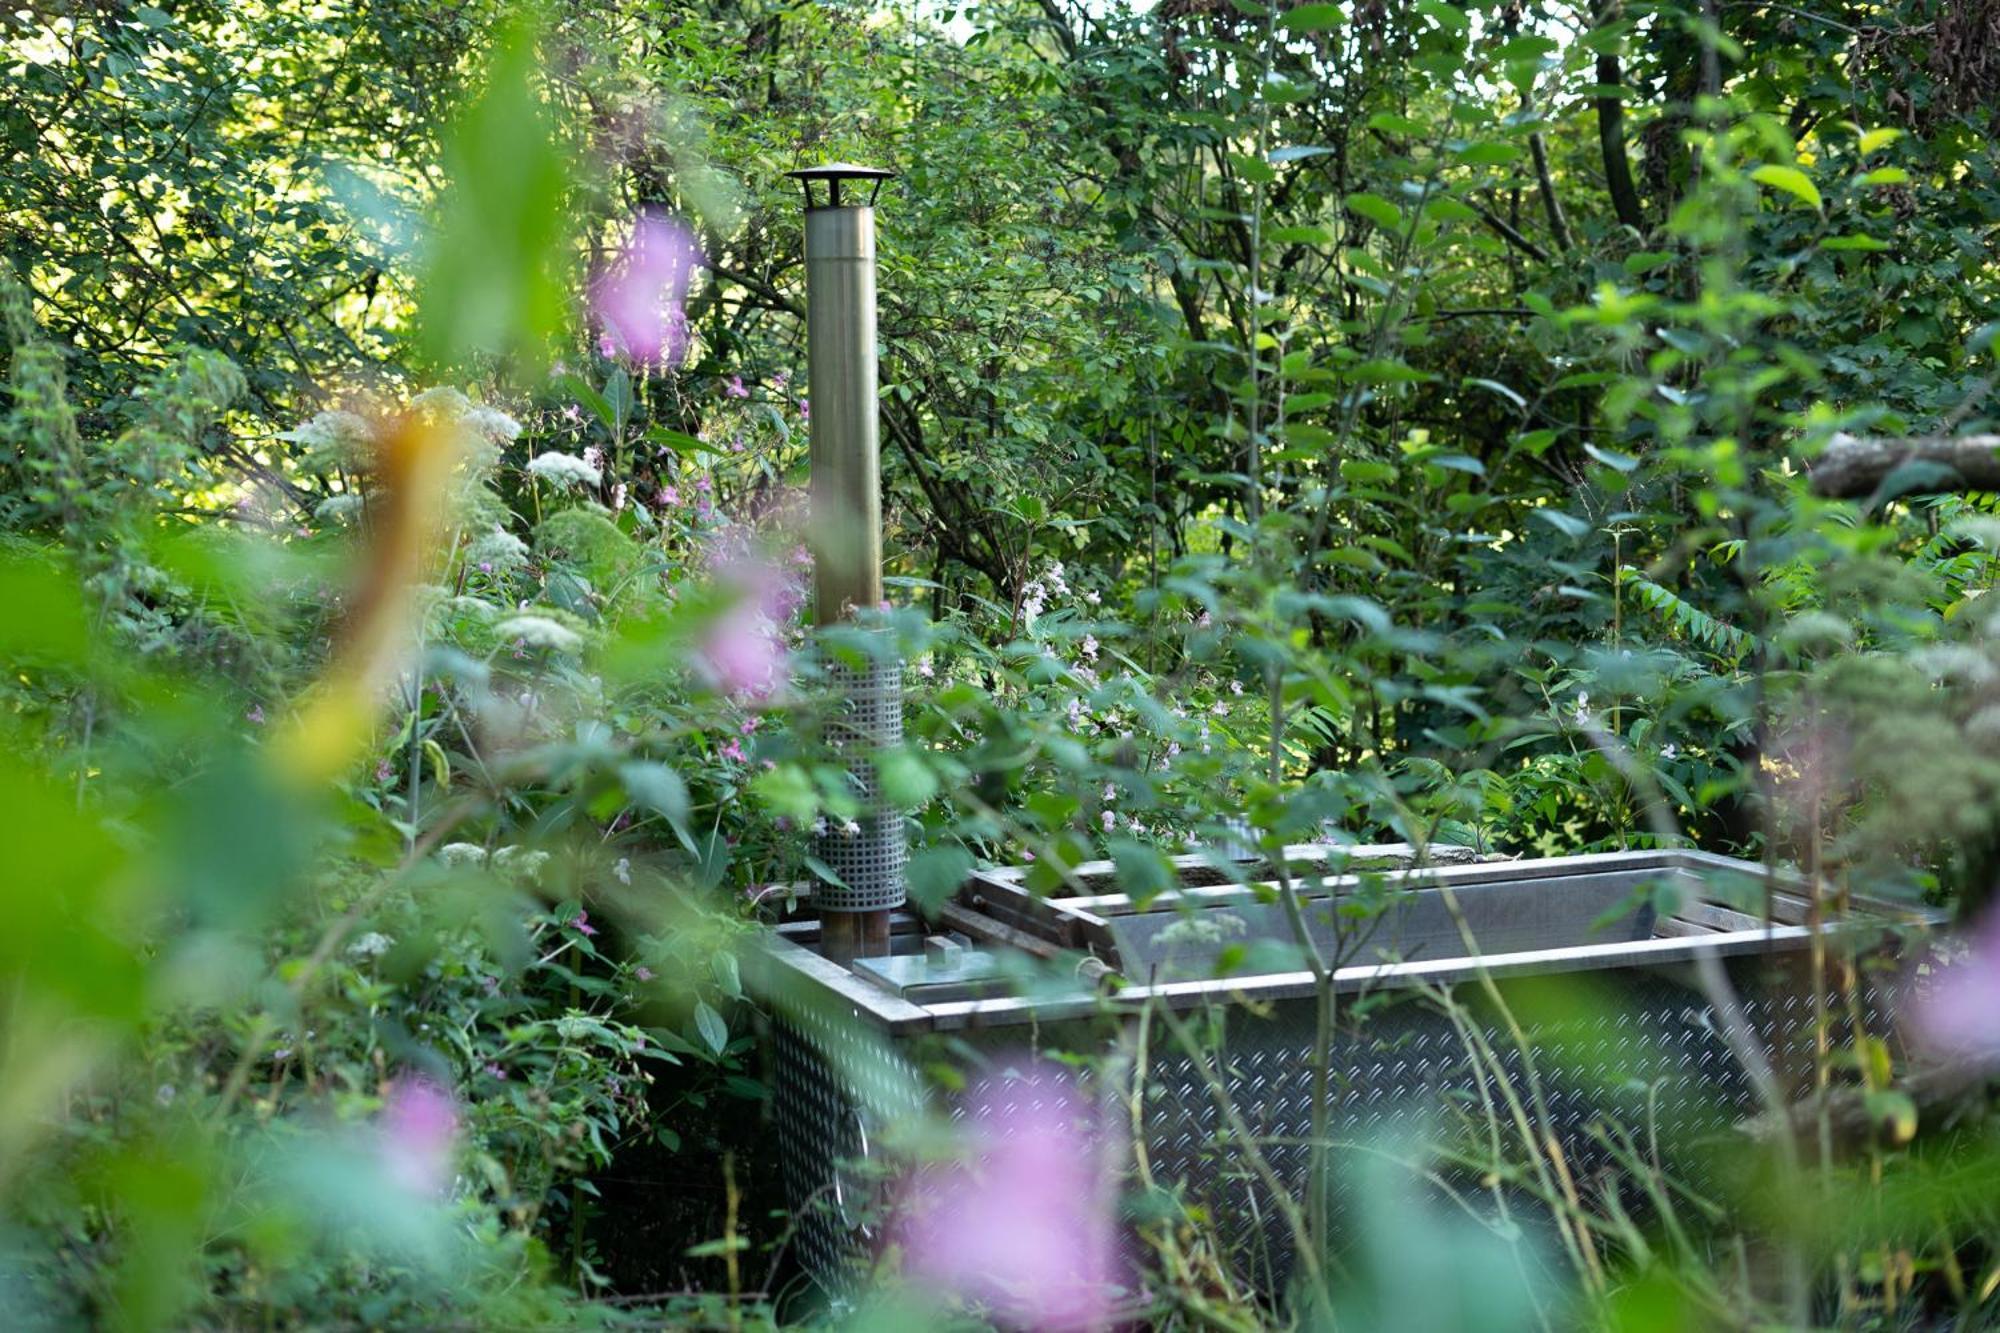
(867, 854)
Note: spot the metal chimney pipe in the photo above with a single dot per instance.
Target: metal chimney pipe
(846, 540)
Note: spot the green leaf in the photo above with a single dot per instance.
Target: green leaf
(657, 787)
(906, 780)
(1495, 386)
(1377, 210)
(1449, 17)
(1311, 18)
(1858, 241)
(1444, 208)
(1305, 235)
(709, 1023)
(1296, 152)
(935, 874)
(496, 280)
(1569, 525)
(1791, 180)
(1142, 871)
(787, 790)
(1389, 123)
(1487, 153)
(1880, 138)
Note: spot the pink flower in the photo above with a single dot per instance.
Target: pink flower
(383, 770)
(1957, 1016)
(642, 972)
(733, 387)
(606, 347)
(805, 409)
(642, 300)
(256, 715)
(580, 923)
(732, 750)
(416, 1134)
(669, 496)
(1025, 1222)
(741, 655)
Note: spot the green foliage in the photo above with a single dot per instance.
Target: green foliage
(1321, 420)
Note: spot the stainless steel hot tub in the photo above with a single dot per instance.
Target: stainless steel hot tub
(1444, 983)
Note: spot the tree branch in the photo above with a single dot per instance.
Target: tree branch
(1852, 466)
(1509, 234)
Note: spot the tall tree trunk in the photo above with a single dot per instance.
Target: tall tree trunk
(1611, 127)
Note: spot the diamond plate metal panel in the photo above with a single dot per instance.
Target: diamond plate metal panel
(1649, 1056)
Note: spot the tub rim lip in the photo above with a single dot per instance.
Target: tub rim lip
(876, 1007)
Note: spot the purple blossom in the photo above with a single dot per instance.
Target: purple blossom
(1024, 1223)
(733, 387)
(256, 715)
(580, 923)
(642, 299)
(669, 496)
(1957, 1015)
(495, 1071)
(416, 1134)
(743, 653)
(805, 409)
(642, 972)
(732, 750)
(384, 771)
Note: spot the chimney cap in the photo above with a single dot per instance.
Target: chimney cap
(833, 173)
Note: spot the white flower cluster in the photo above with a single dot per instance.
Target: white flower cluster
(342, 508)
(564, 470)
(498, 550)
(519, 863)
(492, 423)
(372, 945)
(441, 402)
(460, 855)
(540, 632)
(1035, 597)
(334, 439)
